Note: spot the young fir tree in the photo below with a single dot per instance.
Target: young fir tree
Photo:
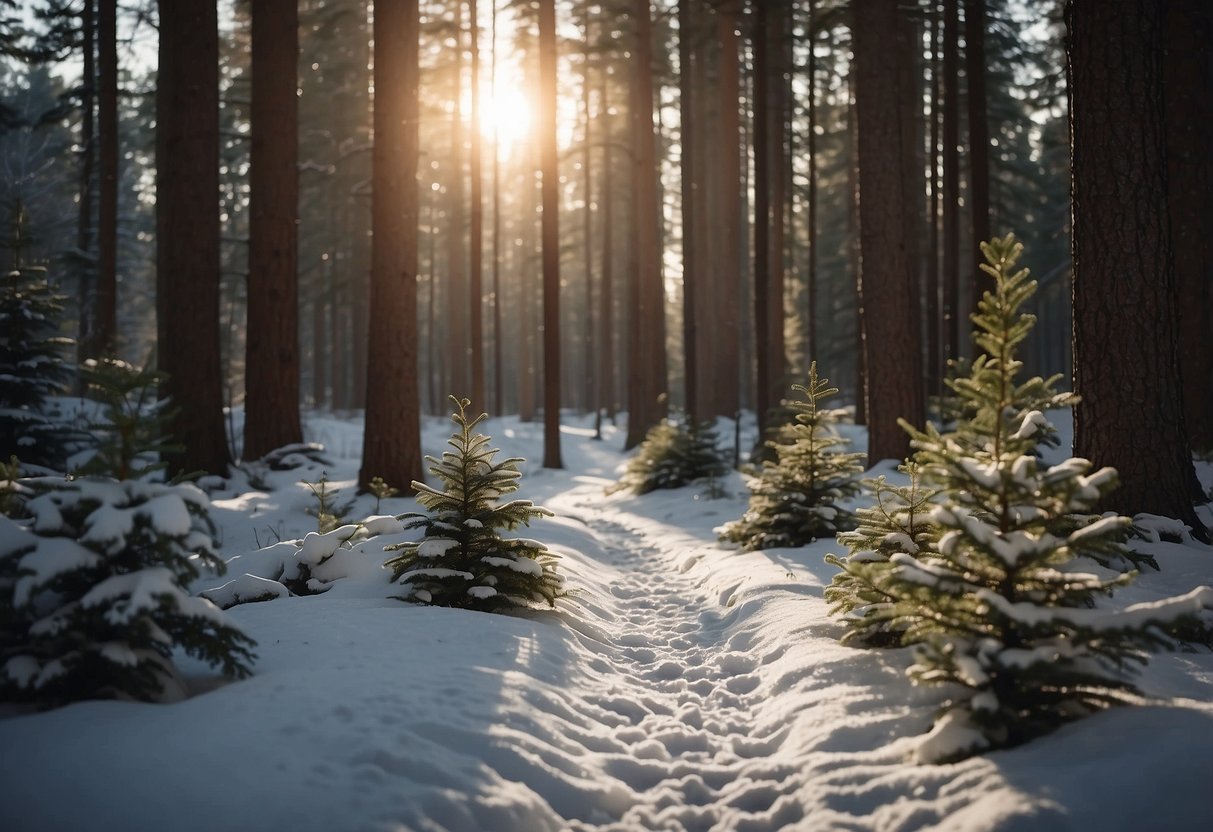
(130, 434)
(997, 606)
(674, 453)
(898, 522)
(794, 500)
(462, 560)
(32, 368)
(93, 597)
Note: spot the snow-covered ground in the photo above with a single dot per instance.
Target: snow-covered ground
(683, 686)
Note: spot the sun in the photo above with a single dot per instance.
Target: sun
(507, 114)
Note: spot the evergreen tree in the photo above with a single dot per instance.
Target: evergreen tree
(794, 500)
(31, 367)
(675, 453)
(130, 433)
(897, 523)
(996, 604)
(92, 593)
(462, 560)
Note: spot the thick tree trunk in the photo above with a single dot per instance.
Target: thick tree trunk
(606, 350)
(762, 214)
(1189, 106)
(187, 231)
(888, 296)
(810, 346)
(690, 209)
(271, 399)
(105, 333)
(979, 143)
(587, 223)
(646, 348)
(458, 379)
(551, 235)
(727, 358)
(934, 360)
(1125, 360)
(392, 439)
(498, 341)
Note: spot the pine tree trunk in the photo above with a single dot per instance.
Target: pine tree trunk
(392, 439)
(953, 327)
(551, 235)
(607, 353)
(476, 273)
(934, 360)
(587, 227)
(458, 381)
(187, 232)
(888, 294)
(1125, 358)
(105, 300)
(498, 341)
(690, 276)
(271, 399)
(1189, 108)
(727, 360)
(762, 213)
(811, 271)
(979, 142)
(646, 348)
(84, 222)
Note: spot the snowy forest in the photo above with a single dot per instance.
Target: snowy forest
(606, 414)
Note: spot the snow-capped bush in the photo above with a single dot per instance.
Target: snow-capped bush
(674, 453)
(462, 560)
(92, 593)
(795, 499)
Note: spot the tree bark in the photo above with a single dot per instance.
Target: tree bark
(84, 221)
(979, 142)
(1125, 359)
(1189, 107)
(392, 440)
(498, 341)
(690, 276)
(476, 272)
(271, 399)
(950, 277)
(727, 357)
(458, 379)
(187, 232)
(105, 332)
(646, 349)
(551, 235)
(888, 297)
(762, 213)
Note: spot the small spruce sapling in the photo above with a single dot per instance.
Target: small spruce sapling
(32, 368)
(328, 513)
(898, 522)
(795, 499)
(130, 434)
(382, 491)
(674, 453)
(999, 606)
(462, 559)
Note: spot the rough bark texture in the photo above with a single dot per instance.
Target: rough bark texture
(498, 340)
(392, 440)
(1125, 369)
(551, 235)
(888, 297)
(979, 146)
(763, 290)
(727, 357)
(271, 399)
(1189, 104)
(607, 351)
(105, 331)
(187, 231)
(458, 377)
(646, 348)
(690, 243)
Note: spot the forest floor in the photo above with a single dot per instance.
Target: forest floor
(684, 685)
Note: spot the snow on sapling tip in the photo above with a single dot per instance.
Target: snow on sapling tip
(795, 499)
(93, 598)
(462, 559)
(998, 605)
(674, 453)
